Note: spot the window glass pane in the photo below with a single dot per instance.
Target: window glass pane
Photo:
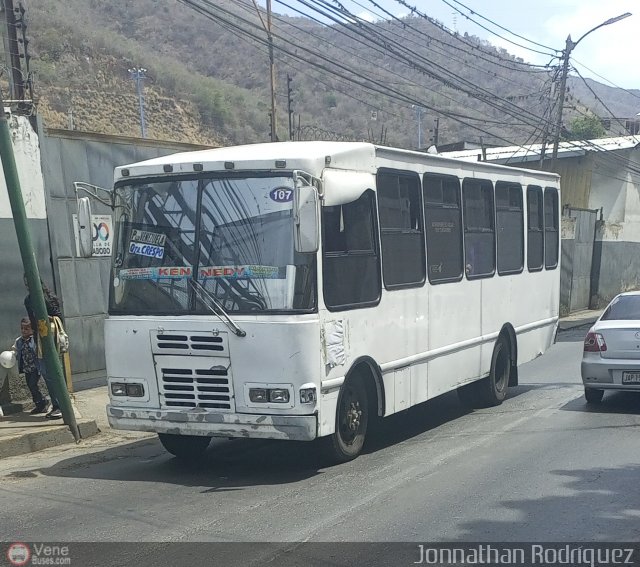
(509, 227)
(479, 233)
(535, 238)
(443, 217)
(623, 307)
(401, 232)
(351, 270)
(551, 225)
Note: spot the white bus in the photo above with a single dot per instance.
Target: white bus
(301, 290)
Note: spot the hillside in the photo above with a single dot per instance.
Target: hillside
(210, 84)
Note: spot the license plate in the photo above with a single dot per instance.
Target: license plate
(631, 377)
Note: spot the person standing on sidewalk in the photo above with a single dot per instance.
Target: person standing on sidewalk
(53, 310)
(26, 349)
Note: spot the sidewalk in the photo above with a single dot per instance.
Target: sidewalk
(579, 319)
(21, 433)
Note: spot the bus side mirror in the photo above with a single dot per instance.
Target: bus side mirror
(306, 218)
(85, 227)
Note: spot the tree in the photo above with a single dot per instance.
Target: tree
(586, 127)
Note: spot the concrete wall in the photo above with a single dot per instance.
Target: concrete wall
(69, 156)
(567, 249)
(616, 189)
(27, 155)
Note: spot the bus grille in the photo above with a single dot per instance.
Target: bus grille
(194, 344)
(208, 388)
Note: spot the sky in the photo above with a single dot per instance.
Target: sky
(611, 51)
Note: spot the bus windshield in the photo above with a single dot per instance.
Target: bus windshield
(233, 233)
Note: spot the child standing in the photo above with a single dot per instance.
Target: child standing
(28, 364)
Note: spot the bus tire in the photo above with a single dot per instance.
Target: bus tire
(493, 388)
(352, 420)
(188, 447)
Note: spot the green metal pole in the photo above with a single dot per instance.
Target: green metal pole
(52, 360)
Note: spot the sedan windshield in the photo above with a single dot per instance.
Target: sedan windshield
(623, 308)
(231, 233)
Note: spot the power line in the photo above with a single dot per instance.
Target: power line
(501, 121)
(459, 38)
(339, 68)
(473, 12)
(605, 79)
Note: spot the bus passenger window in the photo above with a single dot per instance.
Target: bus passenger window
(535, 225)
(551, 228)
(509, 227)
(443, 222)
(479, 228)
(401, 231)
(351, 267)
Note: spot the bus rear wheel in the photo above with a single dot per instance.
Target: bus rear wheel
(188, 447)
(493, 388)
(352, 420)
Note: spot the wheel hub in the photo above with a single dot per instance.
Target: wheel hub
(353, 416)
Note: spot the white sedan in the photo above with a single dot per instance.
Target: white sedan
(611, 357)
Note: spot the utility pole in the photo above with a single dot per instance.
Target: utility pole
(272, 69)
(563, 86)
(52, 360)
(569, 47)
(26, 74)
(419, 110)
(289, 95)
(14, 51)
(436, 132)
(138, 74)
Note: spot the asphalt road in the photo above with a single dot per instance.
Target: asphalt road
(541, 467)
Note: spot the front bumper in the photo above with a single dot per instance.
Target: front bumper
(194, 422)
(606, 373)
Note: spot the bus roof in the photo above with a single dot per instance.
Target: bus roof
(310, 156)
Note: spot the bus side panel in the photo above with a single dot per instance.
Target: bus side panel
(454, 327)
(327, 413)
(503, 301)
(523, 300)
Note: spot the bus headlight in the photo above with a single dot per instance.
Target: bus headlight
(118, 389)
(307, 395)
(135, 390)
(258, 395)
(279, 396)
(125, 389)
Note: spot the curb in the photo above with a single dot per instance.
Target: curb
(564, 325)
(15, 407)
(32, 441)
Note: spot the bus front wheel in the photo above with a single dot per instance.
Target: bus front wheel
(352, 419)
(186, 447)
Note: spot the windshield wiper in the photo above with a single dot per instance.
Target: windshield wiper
(215, 307)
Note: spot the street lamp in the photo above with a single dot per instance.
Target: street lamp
(570, 46)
